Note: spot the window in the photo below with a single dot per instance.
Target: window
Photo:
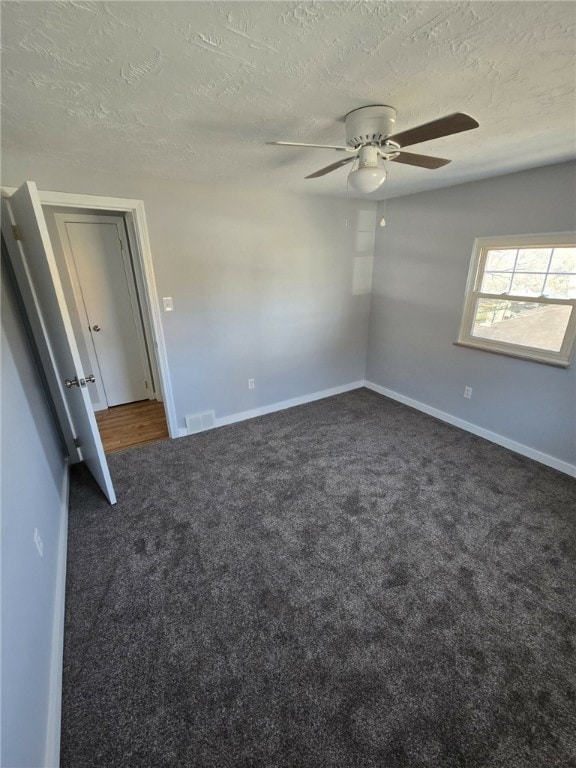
(521, 297)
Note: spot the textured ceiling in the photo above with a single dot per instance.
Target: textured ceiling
(193, 90)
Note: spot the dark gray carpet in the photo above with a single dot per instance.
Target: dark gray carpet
(347, 584)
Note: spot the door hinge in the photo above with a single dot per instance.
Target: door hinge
(121, 246)
(77, 442)
(145, 383)
(16, 232)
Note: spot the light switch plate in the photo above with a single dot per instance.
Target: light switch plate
(168, 304)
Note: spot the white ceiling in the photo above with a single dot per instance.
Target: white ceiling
(193, 90)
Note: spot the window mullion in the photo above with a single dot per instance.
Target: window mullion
(548, 269)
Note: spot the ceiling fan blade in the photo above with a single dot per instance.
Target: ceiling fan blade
(422, 161)
(330, 168)
(444, 126)
(316, 146)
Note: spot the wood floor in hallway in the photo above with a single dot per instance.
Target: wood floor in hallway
(125, 426)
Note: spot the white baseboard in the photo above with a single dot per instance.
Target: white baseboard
(52, 752)
(494, 437)
(282, 405)
(222, 421)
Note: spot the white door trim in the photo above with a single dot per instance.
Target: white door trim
(143, 255)
(146, 314)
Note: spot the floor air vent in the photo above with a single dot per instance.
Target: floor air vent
(198, 422)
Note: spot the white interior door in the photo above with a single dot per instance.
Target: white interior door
(97, 252)
(37, 274)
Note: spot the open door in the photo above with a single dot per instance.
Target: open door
(35, 267)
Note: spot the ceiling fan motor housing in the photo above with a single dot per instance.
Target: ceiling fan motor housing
(369, 125)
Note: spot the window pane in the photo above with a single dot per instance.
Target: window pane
(496, 282)
(501, 261)
(533, 259)
(527, 324)
(527, 284)
(561, 286)
(563, 260)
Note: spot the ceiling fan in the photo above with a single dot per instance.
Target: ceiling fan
(370, 139)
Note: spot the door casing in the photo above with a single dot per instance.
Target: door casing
(135, 217)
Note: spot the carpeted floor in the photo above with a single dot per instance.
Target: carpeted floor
(346, 584)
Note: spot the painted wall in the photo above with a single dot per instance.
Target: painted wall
(276, 287)
(421, 264)
(266, 285)
(32, 497)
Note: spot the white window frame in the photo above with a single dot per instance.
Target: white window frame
(478, 262)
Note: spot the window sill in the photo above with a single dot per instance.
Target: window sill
(513, 353)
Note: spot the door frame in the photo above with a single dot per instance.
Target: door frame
(135, 217)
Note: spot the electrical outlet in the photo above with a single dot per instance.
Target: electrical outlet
(250, 383)
(38, 541)
(468, 392)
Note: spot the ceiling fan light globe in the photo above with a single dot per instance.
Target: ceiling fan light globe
(367, 179)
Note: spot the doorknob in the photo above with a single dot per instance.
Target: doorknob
(96, 328)
(76, 382)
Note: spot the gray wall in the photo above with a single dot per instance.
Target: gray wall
(33, 477)
(276, 287)
(266, 285)
(420, 269)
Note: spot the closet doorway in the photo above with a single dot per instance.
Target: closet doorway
(45, 285)
(102, 277)
(104, 291)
